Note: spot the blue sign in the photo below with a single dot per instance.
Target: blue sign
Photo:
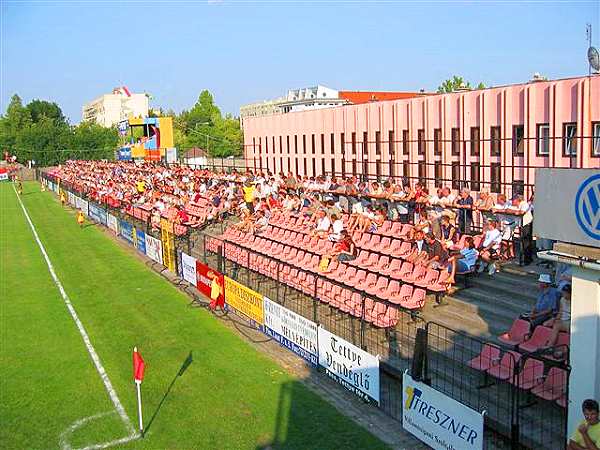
(285, 342)
(123, 127)
(124, 154)
(587, 207)
(140, 237)
(126, 231)
(97, 213)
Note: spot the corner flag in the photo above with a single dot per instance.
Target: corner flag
(138, 375)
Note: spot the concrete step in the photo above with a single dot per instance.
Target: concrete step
(510, 285)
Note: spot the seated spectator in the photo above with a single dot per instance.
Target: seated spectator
(344, 250)
(587, 435)
(418, 254)
(448, 232)
(261, 223)
(562, 321)
(490, 246)
(547, 301)
(337, 226)
(421, 224)
(321, 226)
(436, 253)
(463, 261)
(377, 219)
(465, 211)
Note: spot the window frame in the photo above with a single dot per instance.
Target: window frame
(518, 146)
(565, 139)
(455, 141)
(495, 141)
(539, 139)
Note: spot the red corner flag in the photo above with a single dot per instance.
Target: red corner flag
(138, 366)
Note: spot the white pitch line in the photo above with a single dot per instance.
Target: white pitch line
(88, 344)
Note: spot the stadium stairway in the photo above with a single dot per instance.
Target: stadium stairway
(490, 304)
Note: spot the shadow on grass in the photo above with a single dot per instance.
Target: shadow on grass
(186, 363)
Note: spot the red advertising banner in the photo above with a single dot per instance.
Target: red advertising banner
(211, 283)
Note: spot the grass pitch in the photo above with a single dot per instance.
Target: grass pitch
(231, 397)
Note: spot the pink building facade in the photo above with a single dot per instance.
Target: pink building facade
(490, 139)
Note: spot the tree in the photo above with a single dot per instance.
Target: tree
(44, 141)
(17, 117)
(92, 141)
(42, 108)
(455, 83)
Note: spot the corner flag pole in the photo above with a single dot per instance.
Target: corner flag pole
(138, 385)
(138, 375)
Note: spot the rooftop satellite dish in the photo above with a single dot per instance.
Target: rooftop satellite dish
(594, 59)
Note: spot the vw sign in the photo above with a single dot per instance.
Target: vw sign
(567, 205)
(587, 206)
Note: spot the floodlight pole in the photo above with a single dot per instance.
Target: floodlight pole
(138, 384)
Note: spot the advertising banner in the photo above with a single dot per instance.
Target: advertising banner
(168, 242)
(188, 269)
(112, 223)
(154, 249)
(352, 367)
(244, 300)
(126, 231)
(291, 331)
(82, 205)
(3, 174)
(438, 420)
(140, 240)
(211, 283)
(71, 198)
(97, 213)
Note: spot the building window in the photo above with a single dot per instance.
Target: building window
(281, 147)
(543, 139)
(421, 142)
(392, 168)
(296, 144)
(333, 166)
(343, 167)
(289, 165)
(496, 178)
(280, 165)
(437, 173)
(365, 143)
(406, 169)
(518, 187)
(354, 143)
(475, 142)
(254, 146)
(437, 141)
(475, 176)
(297, 166)
(596, 139)
(322, 167)
(495, 135)
(273, 141)
(343, 144)
(456, 175)
(304, 146)
(305, 169)
(391, 148)
(405, 147)
(260, 146)
(569, 139)
(518, 140)
(313, 145)
(378, 169)
(353, 167)
(314, 167)
(287, 146)
(322, 144)
(455, 138)
(422, 166)
(378, 143)
(332, 140)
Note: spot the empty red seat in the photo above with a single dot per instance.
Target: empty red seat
(416, 301)
(554, 385)
(403, 296)
(538, 340)
(430, 279)
(519, 331)
(488, 356)
(505, 369)
(380, 287)
(530, 375)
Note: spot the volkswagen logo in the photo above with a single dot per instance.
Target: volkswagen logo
(587, 206)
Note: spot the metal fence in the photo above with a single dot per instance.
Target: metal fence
(515, 418)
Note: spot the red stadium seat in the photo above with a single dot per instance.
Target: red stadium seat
(554, 385)
(519, 331)
(488, 356)
(538, 340)
(530, 375)
(505, 369)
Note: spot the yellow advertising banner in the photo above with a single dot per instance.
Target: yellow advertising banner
(244, 300)
(168, 244)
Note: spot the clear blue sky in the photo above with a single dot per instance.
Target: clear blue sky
(242, 52)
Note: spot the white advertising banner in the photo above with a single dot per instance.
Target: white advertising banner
(81, 204)
(188, 269)
(71, 198)
(112, 223)
(438, 420)
(154, 249)
(291, 331)
(349, 365)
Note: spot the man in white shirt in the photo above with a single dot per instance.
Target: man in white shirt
(336, 228)
(322, 225)
(492, 238)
